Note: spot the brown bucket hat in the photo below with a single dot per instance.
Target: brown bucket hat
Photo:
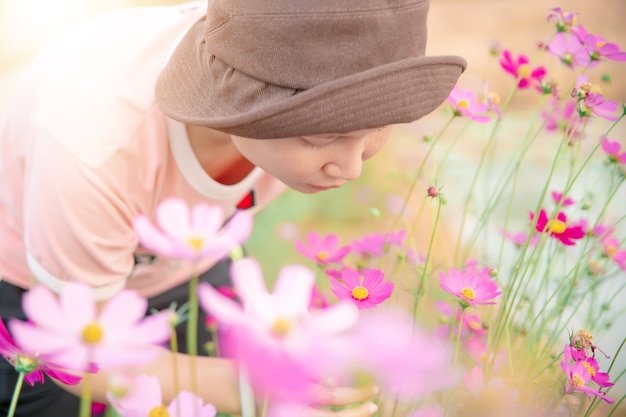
(280, 68)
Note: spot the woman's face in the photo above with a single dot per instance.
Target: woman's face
(314, 163)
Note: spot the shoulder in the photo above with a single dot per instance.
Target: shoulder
(94, 86)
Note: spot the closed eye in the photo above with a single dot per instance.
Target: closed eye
(319, 143)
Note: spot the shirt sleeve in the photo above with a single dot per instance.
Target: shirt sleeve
(78, 222)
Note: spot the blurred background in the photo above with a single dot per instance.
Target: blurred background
(461, 27)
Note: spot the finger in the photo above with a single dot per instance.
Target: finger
(363, 410)
(340, 396)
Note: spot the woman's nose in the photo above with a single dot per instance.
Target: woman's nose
(346, 165)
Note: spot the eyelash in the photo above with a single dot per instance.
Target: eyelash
(319, 147)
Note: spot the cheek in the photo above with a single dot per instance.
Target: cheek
(376, 144)
(279, 157)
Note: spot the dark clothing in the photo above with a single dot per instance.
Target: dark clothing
(48, 399)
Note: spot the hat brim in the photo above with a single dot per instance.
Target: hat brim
(398, 92)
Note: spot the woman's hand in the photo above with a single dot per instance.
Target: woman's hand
(338, 401)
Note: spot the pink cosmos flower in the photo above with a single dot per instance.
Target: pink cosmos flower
(558, 228)
(614, 151)
(578, 376)
(324, 250)
(471, 324)
(466, 104)
(273, 335)
(375, 244)
(31, 362)
(145, 400)
(568, 49)
(367, 292)
(75, 336)
(471, 288)
(385, 345)
(619, 257)
(596, 104)
(564, 119)
(592, 102)
(597, 48)
(600, 378)
(558, 197)
(561, 20)
(476, 383)
(493, 100)
(519, 238)
(427, 411)
(519, 68)
(192, 234)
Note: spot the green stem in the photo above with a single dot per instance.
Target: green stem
(192, 330)
(16, 394)
(85, 398)
(458, 337)
(418, 174)
(174, 349)
(616, 406)
(421, 284)
(470, 193)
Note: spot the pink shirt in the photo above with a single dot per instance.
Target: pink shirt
(84, 149)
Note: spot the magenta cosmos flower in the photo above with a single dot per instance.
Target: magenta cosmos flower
(519, 68)
(192, 234)
(145, 400)
(323, 250)
(70, 330)
(471, 288)
(579, 375)
(274, 335)
(31, 362)
(558, 228)
(366, 289)
(466, 104)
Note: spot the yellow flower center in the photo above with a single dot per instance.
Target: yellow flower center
(360, 293)
(592, 371)
(556, 226)
(524, 71)
(567, 59)
(322, 255)
(494, 97)
(610, 250)
(159, 411)
(195, 242)
(92, 333)
(577, 381)
(474, 324)
(25, 364)
(463, 104)
(281, 327)
(600, 44)
(468, 293)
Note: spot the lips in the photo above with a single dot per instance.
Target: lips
(324, 187)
